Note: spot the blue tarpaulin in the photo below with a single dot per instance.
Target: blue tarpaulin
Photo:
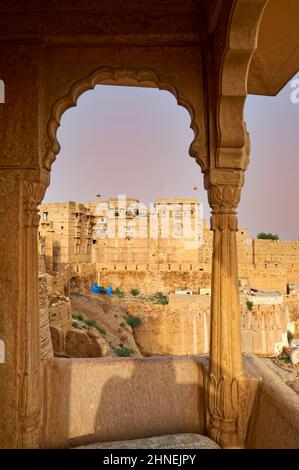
(109, 290)
(96, 289)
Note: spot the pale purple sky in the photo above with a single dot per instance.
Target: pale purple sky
(134, 141)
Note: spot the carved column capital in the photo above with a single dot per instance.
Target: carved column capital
(224, 200)
(32, 195)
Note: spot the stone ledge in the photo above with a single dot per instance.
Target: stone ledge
(169, 441)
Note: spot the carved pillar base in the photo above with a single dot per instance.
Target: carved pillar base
(230, 406)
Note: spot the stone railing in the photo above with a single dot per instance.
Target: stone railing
(275, 420)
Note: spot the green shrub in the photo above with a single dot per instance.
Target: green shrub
(75, 324)
(133, 321)
(101, 330)
(249, 305)
(124, 352)
(90, 323)
(160, 298)
(290, 336)
(135, 292)
(267, 236)
(78, 316)
(118, 292)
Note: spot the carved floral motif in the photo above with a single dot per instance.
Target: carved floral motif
(32, 194)
(230, 403)
(224, 200)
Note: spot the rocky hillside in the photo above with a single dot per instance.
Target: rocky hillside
(106, 319)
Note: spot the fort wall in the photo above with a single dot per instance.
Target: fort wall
(75, 233)
(45, 335)
(183, 327)
(55, 313)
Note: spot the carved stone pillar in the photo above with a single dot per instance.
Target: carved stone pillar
(230, 394)
(20, 194)
(30, 386)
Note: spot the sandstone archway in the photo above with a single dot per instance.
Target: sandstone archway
(121, 77)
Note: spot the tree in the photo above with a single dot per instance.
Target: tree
(267, 236)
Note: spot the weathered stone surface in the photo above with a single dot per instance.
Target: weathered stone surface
(172, 441)
(80, 344)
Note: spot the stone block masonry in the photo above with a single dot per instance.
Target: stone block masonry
(75, 233)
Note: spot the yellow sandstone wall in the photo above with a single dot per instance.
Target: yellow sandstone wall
(45, 335)
(264, 329)
(153, 281)
(267, 279)
(274, 253)
(55, 312)
(183, 327)
(69, 235)
(152, 251)
(172, 329)
(292, 304)
(65, 233)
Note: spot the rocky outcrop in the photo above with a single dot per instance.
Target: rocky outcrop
(81, 344)
(110, 316)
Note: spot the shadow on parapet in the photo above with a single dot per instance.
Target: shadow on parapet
(98, 400)
(152, 397)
